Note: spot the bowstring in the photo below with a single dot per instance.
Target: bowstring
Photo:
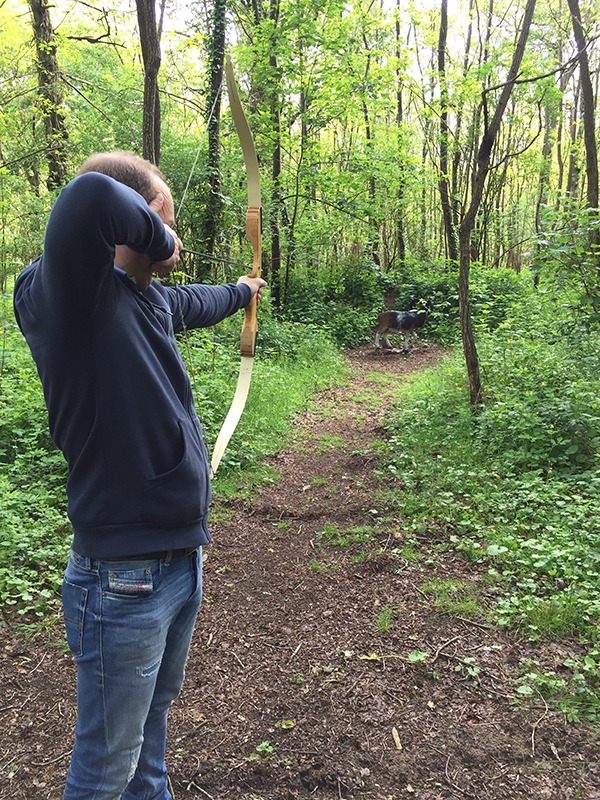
(190, 176)
(179, 285)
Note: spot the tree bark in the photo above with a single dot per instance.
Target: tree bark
(276, 201)
(587, 98)
(444, 179)
(589, 126)
(400, 244)
(460, 154)
(573, 169)
(212, 200)
(370, 146)
(150, 44)
(50, 94)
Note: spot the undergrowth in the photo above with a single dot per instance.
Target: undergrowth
(515, 486)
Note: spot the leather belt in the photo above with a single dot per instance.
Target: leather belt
(158, 556)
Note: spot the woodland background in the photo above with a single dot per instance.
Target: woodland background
(442, 151)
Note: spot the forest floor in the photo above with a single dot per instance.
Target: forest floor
(304, 679)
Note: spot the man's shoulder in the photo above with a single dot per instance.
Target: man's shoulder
(24, 278)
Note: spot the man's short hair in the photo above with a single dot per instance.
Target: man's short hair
(128, 168)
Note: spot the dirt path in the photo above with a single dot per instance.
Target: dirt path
(302, 680)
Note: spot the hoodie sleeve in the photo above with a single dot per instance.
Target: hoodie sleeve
(92, 214)
(199, 305)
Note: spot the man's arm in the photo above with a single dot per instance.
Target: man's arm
(200, 305)
(92, 215)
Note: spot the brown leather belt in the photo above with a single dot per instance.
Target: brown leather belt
(158, 556)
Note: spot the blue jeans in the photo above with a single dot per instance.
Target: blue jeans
(129, 625)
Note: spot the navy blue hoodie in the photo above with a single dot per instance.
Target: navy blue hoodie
(119, 399)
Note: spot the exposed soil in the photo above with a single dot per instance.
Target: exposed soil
(295, 688)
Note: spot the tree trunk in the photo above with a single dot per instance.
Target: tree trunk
(211, 196)
(400, 244)
(150, 44)
(444, 179)
(573, 172)
(276, 202)
(275, 216)
(50, 94)
(459, 149)
(589, 128)
(587, 98)
(482, 166)
(373, 216)
(550, 135)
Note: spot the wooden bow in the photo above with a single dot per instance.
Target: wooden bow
(254, 235)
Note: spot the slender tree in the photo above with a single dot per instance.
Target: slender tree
(211, 199)
(588, 107)
(274, 99)
(492, 125)
(444, 179)
(589, 127)
(50, 93)
(150, 34)
(400, 243)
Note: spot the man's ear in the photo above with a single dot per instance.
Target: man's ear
(157, 203)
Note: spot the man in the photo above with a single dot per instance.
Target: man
(121, 409)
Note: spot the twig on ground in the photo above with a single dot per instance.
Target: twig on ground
(237, 658)
(295, 653)
(482, 625)
(51, 760)
(450, 782)
(193, 785)
(40, 662)
(535, 727)
(443, 647)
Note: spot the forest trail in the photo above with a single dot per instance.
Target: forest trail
(305, 678)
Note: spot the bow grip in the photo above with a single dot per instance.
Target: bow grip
(250, 326)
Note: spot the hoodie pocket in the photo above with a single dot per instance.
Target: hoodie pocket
(181, 494)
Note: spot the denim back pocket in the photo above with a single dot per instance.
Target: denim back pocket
(137, 582)
(74, 604)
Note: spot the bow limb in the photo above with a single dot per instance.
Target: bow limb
(254, 235)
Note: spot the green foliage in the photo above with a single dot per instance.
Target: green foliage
(516, 486)
(343, 302)
(23, 217)
(34, 534)
(564, 258)
(384, 620)
(334, 537)
(574, 692)
(292, 361)
(457, 597)
(494, 293)
(543, 409)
